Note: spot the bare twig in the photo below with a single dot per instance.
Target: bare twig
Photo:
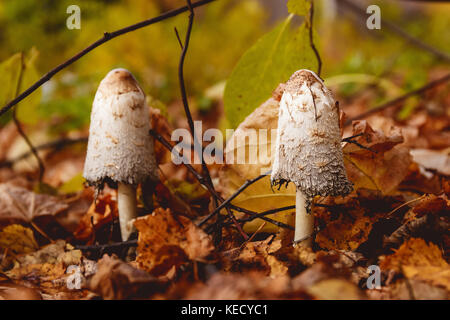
(264, 213)
(199, 178)
(19, 125)
(184, 95)
(106, 37)
(102, 247)
(399, 31)
(57, 144)
(234, 195)
(396, 101)
(311, 40)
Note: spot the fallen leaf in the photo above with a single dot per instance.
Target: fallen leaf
(336, 289)
(418, 260)
(17, 203)
(432, 159)
(249, 286)
(100, 213)
(18, 239)
(167, 241)
(116, 279)
(384, 166)
(12, 291)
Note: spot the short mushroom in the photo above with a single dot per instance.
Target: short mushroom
(120, 151)
(308, 148)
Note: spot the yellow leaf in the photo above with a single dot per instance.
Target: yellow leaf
(259, 196)
(18, 239)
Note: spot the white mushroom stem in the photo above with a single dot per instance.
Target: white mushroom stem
(304, 221)
(126, 202)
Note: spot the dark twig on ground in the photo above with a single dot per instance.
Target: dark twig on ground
(103, 247)
(402, 98)
(106, 37)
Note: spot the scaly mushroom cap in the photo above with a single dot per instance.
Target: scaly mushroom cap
(308, 146)
(119, 148)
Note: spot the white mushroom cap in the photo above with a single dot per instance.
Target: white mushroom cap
(308, 147)
(119, 148)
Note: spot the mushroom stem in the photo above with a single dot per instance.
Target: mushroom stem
(304, 221)
(126, 202)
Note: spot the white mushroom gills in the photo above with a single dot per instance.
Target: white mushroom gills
(120, 149)
(308, 147)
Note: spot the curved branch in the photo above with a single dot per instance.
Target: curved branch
(106, 37)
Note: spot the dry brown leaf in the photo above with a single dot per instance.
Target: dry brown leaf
(17, 203)
(18, 239)
(258, 256)
(167, 241)
(12, 291)
(418, 260)
(416, 290)
(432, 159)
(336, 289)
(346, 233)
(116, 279)
(47, 269)
(253, 285)
(100, 213)
(383, 170)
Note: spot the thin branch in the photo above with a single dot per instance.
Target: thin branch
(106, 37)
(399, 31)
(199, 177)
(234, 195)
(19, 125)
(185, 47)
(263, 214)
(311, 41)
(57, 144)
(402, 98)
(178, 38)
(102, 247)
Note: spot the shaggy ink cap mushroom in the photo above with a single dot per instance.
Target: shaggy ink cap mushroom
(308, 148)
(120, 151)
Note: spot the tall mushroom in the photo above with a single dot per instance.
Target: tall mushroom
(308, 148)
(120, 151)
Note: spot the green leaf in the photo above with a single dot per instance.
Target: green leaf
(298, 7)
(27, 110)
(74, 185)
(10, 72)
(271, 61)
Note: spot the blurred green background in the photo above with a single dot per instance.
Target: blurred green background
(223, 31)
